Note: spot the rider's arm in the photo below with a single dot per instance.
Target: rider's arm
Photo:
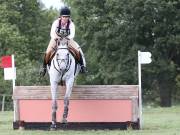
(72, 31)
(53, 29)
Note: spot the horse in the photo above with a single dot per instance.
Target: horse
(63, 68)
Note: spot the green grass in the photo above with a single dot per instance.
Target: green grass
(156, 121)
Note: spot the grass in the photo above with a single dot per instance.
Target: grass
(156, 121)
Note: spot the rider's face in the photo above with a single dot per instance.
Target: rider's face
(64, 19)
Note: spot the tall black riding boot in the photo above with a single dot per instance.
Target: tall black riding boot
(44, 67)
(46, 61)
(83, 68)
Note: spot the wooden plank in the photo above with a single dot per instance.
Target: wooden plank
(76, 125)
(79, 92)
(79, 110)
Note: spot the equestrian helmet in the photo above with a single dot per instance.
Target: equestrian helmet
(65, 11)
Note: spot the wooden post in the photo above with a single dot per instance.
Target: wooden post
(3, 103)
(16, 110)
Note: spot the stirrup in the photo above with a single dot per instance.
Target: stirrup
(83, 69)
(43, 71)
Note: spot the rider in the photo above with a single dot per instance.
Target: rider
(63, 27)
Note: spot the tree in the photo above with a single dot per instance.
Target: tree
(100, 29)
(24, 31)
(10, 39)
(156, 27)
(113, 32)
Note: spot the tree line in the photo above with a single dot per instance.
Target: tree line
(110, 34)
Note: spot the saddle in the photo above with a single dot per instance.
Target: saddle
(75, 53)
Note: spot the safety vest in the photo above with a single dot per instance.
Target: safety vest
(63, 31)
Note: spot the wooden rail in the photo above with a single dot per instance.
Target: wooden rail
(79, 92)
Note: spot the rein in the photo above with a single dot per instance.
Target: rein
(67, 65)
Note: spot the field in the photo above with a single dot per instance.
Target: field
(156, 121)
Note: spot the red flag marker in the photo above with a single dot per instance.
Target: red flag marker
(6, 62)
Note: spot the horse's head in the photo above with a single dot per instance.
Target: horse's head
(62, 56)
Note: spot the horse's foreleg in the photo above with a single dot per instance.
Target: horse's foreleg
(66, 105)
(69, 85)
(54, 109)
(54, 86)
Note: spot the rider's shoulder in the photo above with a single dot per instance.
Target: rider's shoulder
(56, 21)
(71, 22)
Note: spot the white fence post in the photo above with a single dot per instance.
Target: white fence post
(140, 90)
(143, 58)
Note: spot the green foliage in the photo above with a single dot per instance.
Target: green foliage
(99, 28)
(113, 32)
(24, 32)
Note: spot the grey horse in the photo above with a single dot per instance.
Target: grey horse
(64, 68)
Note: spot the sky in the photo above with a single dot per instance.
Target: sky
(54, 3)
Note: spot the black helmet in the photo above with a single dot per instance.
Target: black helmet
(65, 11)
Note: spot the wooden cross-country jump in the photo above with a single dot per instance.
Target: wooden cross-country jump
(91, 107)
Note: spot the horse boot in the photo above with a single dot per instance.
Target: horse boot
(54, 109)
(65, 114)
(45, 62)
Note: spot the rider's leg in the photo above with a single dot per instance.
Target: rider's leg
(82, 61)
(47, 56)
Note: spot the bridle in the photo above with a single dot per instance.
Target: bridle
(59, 61)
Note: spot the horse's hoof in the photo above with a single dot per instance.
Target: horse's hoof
(53, 127)
(21, 128)
(64, 121)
